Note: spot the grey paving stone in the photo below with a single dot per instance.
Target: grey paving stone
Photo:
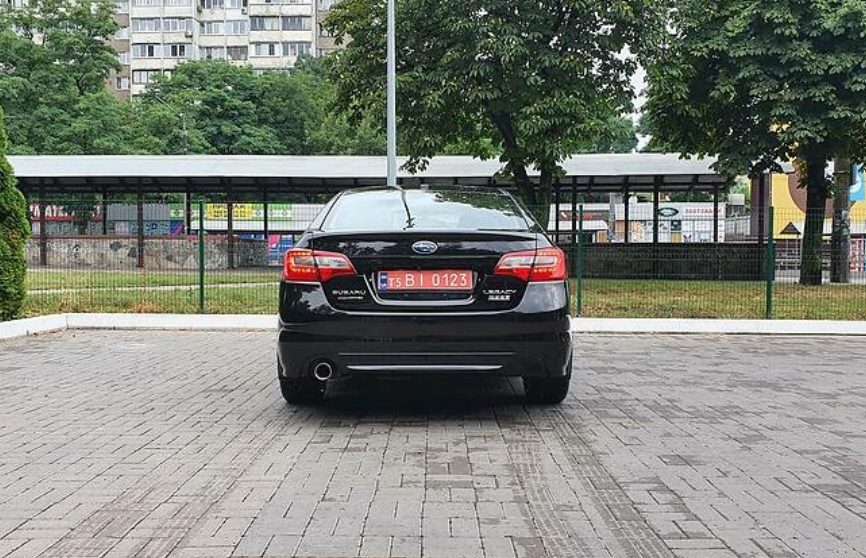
(178, 444)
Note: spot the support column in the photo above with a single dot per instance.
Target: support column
(265, 223)
(105, 212)
(556, 212)
(230, 225)
(716, 214)
(574, 237)
(139, 218)
(656, 188)
(187, 211)
(762, 208)
(626, 212)
(43, 234)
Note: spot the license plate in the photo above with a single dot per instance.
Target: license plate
(426, 280)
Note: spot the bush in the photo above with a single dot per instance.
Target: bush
(14, 230)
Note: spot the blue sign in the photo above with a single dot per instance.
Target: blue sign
(278, 245)
(858, 188)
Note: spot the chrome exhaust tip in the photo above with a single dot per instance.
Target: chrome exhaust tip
(323, 371)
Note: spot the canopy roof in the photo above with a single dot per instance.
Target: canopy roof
(255, 173)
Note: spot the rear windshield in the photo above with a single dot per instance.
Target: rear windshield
(399, 210)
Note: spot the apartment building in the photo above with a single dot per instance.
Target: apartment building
(156, 35)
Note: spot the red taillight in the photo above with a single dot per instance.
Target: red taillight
(315, 266)
(546, 264)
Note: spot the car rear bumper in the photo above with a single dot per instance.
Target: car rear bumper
(530, 340)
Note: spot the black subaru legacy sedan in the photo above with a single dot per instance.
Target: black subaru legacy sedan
(424, 280)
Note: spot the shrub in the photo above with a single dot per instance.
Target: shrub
(14, 230)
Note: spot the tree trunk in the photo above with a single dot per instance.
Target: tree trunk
(841, 236)
(811, 262)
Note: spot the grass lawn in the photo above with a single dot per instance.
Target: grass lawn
(255, 291)
(52, 279)
(615, 298)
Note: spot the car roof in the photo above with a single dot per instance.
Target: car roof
(429, 188)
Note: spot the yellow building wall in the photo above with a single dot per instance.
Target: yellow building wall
(786, 210)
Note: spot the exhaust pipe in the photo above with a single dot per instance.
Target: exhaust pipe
(323, 371)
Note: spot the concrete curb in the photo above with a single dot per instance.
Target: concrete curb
(254, 322)
(173, 321)
(695, 326)
(32, 326)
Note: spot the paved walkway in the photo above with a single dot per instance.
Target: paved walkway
(178, 444)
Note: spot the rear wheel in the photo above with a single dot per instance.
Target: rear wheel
(547, 391)
(299, 391)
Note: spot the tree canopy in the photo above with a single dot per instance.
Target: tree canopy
(759, 82)
(532, 81)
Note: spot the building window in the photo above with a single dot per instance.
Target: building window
(264, 24)
(177, 24)
(121, 6)
(146, 50)
(213, 53)
(146, 2)
(236, 52)
(212, 28)
(264, 49)
(123, 57)
(297, 23)
(236, 4)
(178, 50)
(178, 2)
(146, 24)
(141, 77)
(237, 27)
(296, 48)
(121, 83)
(122, 33)
(325, 4)
(323, 31)
(212, 4)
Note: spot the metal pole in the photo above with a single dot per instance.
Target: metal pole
(771, 264)
(715, 214)
(656, 187)
(139, 220)
(626, 216)
(265, 223)
(392, 96)
(104, 212)
(580, 265)
(43, 234)
(556, 212)
(201, 256)
(573, 228)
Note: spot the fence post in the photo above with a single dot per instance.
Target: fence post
(579, 309)
(201, 256)
(770, 258)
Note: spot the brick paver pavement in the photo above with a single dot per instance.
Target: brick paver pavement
(178, 444)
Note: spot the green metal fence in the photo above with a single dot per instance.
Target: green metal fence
(89, 254)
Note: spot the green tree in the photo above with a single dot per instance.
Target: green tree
(227, 109)
(331, 132)
(14, 230)
(536, 78)
(757, 82)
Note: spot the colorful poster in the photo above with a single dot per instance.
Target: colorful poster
(858, 188)
(278, 245)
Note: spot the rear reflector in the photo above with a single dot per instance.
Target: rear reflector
(546, 264)
(315, 266)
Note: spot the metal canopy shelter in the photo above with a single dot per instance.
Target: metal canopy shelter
(633, 172)
(264, 178)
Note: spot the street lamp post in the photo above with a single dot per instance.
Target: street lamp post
(391, 100)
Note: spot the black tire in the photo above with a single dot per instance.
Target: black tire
(301, 391)
(547, 391)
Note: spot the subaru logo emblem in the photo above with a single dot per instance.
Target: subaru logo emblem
(424, 247)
